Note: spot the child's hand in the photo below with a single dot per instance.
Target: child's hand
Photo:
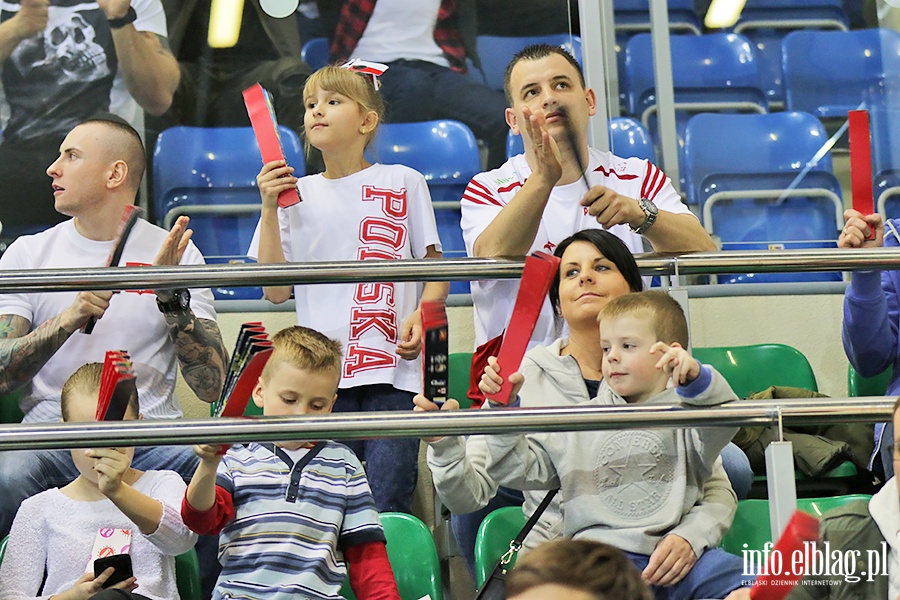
(274, 178)
(410, 337)
(423, 404)
(210, 453)
(110, 465)
(491, 381)
(88, 585)
(671, 560)
(676, 363)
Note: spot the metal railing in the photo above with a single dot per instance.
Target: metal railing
(451, 269)
(343, 426)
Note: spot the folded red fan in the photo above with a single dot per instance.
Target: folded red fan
(117, 386)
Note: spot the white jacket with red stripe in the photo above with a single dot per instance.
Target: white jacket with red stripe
(489, 192)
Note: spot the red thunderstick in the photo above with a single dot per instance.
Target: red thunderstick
(537, 276)
(861, 163)
(802, 529)
(265, 127)
(129, 217)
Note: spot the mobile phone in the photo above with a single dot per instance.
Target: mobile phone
(120, 562)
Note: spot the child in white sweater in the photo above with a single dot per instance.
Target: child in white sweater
(55, 531)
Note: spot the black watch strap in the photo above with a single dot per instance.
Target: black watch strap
(130, 17)
(179, 302)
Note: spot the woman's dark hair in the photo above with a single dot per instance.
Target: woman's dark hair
(609, 246)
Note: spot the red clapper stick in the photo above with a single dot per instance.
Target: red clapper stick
(861, 164)
(129, 217)
(265, 127)
(537, 276)
(801, 532)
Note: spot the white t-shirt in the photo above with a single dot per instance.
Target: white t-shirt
(489, 192)
(400, 29)
(382, 212)
(54, 530)
(133, 322)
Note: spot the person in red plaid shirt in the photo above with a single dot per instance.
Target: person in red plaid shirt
(425, 44)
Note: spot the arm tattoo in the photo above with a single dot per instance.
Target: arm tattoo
(23, 354)
(200, 351)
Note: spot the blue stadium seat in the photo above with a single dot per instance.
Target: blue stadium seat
(715, 72)
(766, 22)
(710, 73)
(827, 73)
(884, 113)
(446, 153)
(209, 174)
(495, 52)
(793, 14)
(627, 138)
(737, 169)
(315, 53)
(634, 16)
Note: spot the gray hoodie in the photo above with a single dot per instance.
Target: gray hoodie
(459, 465)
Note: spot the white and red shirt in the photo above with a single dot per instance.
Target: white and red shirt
(489, 192)
(380, 213)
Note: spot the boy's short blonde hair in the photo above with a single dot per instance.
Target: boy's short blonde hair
(86, 380)
(350, 84)
(665, 314)
(304, 348)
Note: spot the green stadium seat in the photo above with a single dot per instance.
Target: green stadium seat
(750, 369)
(857, 385)
(413, 556)
(187, 576)
(460, 366)
(492, 540)
(752, 526)
(9, 408)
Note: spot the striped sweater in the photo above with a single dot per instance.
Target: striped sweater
(291, 525)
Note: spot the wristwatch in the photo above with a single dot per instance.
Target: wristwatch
(129, 17)
(179, 302)
(650, 212)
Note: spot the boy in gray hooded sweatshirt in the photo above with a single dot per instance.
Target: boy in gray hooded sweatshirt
(630, 488)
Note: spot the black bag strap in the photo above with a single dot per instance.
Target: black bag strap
(516, 544)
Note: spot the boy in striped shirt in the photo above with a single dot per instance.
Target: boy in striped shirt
(293, 515)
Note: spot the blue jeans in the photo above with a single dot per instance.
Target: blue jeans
(465, 526)
(416, 90)
(24, 473)
(715, 574)
(392, 465)
(737, 466)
